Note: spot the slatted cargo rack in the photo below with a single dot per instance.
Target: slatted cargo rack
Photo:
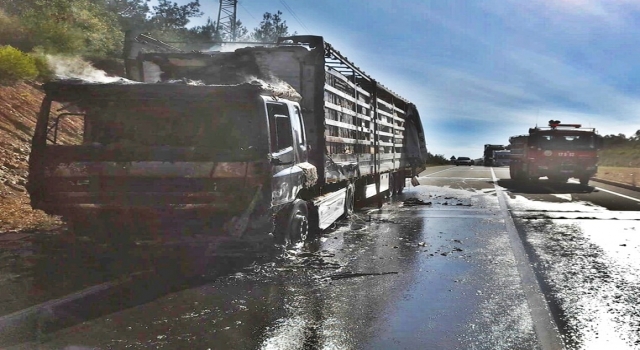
(355, 126)
(365, 121)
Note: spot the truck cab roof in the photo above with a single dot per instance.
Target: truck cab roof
(73, 90)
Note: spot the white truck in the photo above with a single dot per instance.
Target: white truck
(501, 158)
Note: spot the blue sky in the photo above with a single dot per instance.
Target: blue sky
(481, 71)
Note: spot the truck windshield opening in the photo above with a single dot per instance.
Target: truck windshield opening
(152, 123)
(566, 142)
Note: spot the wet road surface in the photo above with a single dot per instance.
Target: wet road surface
(440, 267)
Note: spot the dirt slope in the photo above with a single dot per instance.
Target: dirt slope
(19, 106)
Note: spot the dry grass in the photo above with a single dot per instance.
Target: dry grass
(625, 175)
(16, 215)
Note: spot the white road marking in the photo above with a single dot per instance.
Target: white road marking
(615, 193)
(448, 177)
(436, 172)
(565, 196)
(544, 324)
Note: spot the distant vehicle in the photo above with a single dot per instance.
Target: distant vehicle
(463, 161)
(501, 158)
(558, 152)
(488, 153)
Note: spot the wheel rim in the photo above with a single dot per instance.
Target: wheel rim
(301, 226)
(349, 204)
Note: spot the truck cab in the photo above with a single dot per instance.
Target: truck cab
(143, 155)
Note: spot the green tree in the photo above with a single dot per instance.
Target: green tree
(79, 26)
(271, 27)
(169, 15)
(619, 140)
(131, 14)
(205, 32)
(13, 33)
(437, 159)
(242, 33)
(16, 65)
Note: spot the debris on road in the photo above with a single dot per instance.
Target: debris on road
(359, 274)
(410, 202)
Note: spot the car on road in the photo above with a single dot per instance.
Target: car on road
(464, 161)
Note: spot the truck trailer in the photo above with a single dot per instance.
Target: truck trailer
(559, 152)
(501, 158)
(488, 159)
(272, 141)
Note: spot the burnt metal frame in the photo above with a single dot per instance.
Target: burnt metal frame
(55, 125)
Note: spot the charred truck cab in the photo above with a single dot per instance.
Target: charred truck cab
(281, 139)
(558, 152)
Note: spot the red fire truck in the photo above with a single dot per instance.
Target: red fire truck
(558, 152)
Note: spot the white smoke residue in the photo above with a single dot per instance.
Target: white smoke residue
(76, 68)
(230, 47)
(279, 87)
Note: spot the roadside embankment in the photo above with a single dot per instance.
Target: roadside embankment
(630, 177)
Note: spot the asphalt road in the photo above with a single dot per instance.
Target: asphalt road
(466, 260)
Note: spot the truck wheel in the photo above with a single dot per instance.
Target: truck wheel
(395, 184)
(558, 179)
(584, 180)
(349, 201)
(399, 183)
(294, 227)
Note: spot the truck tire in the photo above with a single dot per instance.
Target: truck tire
(293, 226)
(399, 182)
(558, 179)
(518, 175)
(349, 202)
(584, 180)
(396, 184)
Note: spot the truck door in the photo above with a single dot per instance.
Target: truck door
(299, 137)
(283, 153)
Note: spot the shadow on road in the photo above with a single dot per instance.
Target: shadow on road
(543, 187)
(58, 284)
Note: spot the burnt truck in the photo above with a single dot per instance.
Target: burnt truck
(559, 152)
(270, 141)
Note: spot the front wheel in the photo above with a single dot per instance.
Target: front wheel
(349, 201)
(558, 179)
(294, 227)
(584, 180)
